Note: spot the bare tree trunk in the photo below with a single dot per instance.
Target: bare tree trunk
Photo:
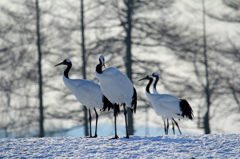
(40, 94)
(129, 4)
(84, 66)
(207, 88)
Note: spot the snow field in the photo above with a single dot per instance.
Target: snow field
(174, 146)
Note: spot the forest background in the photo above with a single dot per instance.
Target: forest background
(193, 45)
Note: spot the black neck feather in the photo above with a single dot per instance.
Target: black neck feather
(148, 85)
(99, 67)
(69, 65)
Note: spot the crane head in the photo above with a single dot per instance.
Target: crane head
(101, 60)
(148, 77)
(65, 62)
(155, 74)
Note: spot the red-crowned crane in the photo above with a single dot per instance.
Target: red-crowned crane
(166, 106)
(87, 93)
(157, 76)
(118, 88)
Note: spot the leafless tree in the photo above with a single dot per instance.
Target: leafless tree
(23, 68)
(210, 60)
(230, 49)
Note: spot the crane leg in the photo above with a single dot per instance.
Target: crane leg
(115, 120)
(167, 126)
(177, 126)
(173, 128)
(96, 123)
(125, 114)
(90, 120)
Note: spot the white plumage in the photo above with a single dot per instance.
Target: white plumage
(87, 92)
(117, 87)
(168, 106)
(157, 76)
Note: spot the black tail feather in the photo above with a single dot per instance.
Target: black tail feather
(106, 103)
(186, 109)
(134, 101)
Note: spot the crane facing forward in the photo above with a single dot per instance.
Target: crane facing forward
(118, 88)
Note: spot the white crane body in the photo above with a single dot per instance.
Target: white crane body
(87, 92)
(116, 86)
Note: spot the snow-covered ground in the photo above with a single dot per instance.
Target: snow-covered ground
(171, 146)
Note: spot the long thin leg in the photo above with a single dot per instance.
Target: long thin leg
(173, 128)
(177, 126)
(167, 126)
(165, 129)
(125, 114)
(96, 122)
(115, 120)
(90, 121)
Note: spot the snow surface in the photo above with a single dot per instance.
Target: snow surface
(171, 146)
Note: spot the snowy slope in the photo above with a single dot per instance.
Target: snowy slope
(171, 146)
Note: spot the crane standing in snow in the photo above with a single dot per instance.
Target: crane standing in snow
(118, 88)
(87, 93)
(168, 106)
(157, 76)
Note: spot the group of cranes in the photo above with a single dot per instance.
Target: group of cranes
(116, 89)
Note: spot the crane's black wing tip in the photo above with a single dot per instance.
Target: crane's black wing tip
(106, 104)
(134, 101)
(186, 109)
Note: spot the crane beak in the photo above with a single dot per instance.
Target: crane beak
(143, 79)
(61, 63)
